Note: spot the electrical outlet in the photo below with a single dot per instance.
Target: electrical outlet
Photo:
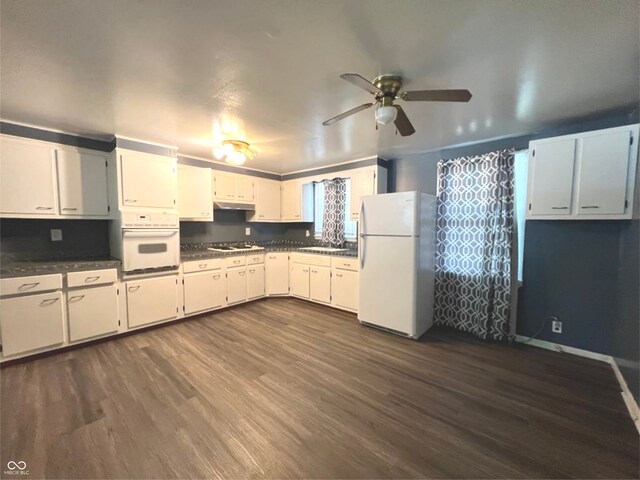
(56, 235)
(308, 233)
(247, 231)
(556, 326)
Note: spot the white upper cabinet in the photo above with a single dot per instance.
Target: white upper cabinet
(551, 166)
(602, 173)
(27, 180)
(82, 182)
(232, 187)
(297, 201)
(587, 176)
(148, 180)
(362, 184)
(268, 204)
(195, 199)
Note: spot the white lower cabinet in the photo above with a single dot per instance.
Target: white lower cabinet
(255, 281)
(31, 322)
(277, 273)
(92, 311)
(152, 300)
(204, 291)
(344, 289)
(320, 284)
(236, 285)
(299, 280)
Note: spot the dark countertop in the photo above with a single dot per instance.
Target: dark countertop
(37, 267)
(194, 252)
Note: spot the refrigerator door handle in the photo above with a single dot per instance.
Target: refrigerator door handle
(362, 235)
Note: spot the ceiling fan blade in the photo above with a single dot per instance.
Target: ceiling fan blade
(436, 96)
(403, 124)
(360, 81)
(337, 118)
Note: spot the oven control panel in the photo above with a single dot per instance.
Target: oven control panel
(149, 220)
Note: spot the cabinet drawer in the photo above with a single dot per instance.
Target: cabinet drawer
(92, 277)
(202, 265)
(343, 263)
(235, 261)
(318, 260)
(31, 284)
(254, 259)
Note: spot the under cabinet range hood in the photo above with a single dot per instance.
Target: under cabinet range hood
(230, 205)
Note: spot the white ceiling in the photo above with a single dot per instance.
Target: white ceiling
(164, 70)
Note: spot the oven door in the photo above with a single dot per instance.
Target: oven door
(145, 249)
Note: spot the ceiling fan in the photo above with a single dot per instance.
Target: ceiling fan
(386, 89)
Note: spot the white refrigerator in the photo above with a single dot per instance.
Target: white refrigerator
(397, 262)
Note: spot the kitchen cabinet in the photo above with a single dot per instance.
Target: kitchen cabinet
(602, 173)
(361, 184)
(148, 181)
(268, 204)
(92, 311)
(586, 176)
(195, 197)
(297, 201)
(236, 285)
(277, 273)
(28, 180)
(551, 165)
(320, 284)
(232, 187)
(299, 280)
(82, 182)
(31, 322)
(152, 300)
(344, 289)
(255, 281)
(204, 291)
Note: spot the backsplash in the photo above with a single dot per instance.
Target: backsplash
(22, 239)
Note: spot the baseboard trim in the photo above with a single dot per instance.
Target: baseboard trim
(556, 347)
(627, 396)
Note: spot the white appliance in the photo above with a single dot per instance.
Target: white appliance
(146, 241)
(397, 262)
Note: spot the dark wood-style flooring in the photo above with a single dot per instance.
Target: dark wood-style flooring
(282, 388)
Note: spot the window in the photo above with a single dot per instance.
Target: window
(520, 193)
(350, 228)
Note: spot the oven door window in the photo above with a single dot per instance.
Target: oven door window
(147, 248)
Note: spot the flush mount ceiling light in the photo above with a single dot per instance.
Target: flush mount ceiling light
(234, 152)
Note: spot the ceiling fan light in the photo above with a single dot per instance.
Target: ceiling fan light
(235, 158)
(218, 153)
(386, 114)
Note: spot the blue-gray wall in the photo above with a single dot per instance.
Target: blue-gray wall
(584, 272)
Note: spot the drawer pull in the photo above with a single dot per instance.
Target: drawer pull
(314, 271)
(236, 262)
(48, 301)
(70, 209)
(241, 273)
(240, 196)
(346, 264)
(261, 216)
(78, 297)
(28, 286)
(559, 208)
(216, 277)
(205, 214)
(305, 271)
(130, 200)
(44, 208)
(135, 288)
(253, 270)
(271, 257)
(339, 275)
(591, 206)
(202, 266)
(91, 279)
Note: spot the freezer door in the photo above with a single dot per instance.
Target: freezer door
(388, 276)
(389, 214)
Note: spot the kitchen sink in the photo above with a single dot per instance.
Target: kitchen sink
(324, 249)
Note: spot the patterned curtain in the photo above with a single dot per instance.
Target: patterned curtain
(335, 197)
(474, 238)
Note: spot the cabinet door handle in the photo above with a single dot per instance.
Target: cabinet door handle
(44, 208)
(236, 262)
(216, 277)
(346, 264)
(70, 209)
(297, 216)
(91, 279)
(253, 270)
(240, 196)
(135, 288)
(130, 200)
(261, 216)
(241, 274)
(48, 301)
(305, 271)
(205, 214)
(559, 208)
(78, 297)
(272, 258)
(339, 275)
(591, 206)
(202, 266)
(27, 286)
(314, 271)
